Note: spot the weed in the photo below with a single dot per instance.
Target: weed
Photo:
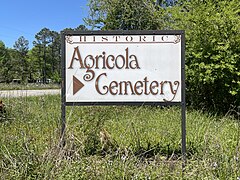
(114, 142)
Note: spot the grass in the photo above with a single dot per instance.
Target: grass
(29, 86)
(145, 142)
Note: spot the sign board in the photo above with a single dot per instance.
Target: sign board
(127, 67)
(124, 68)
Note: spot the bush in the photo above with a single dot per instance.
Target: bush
(212, 52)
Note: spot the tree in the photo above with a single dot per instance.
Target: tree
(48, 46)
(212, 41)
(5, 66)
(55, 50)
(81, 28)
(212, 51)
(21, 47)
(124, 14)
(43, 38)
(35, 68)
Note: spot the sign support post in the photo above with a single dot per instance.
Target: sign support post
(183, 105)
(63, 128)
(63, 93)
(183, 114)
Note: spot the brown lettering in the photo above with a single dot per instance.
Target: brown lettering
(116, 38)
(152, 87)
(112, 86)
(131, 38)
(87, 64)
(142, 38)
(161, 84)
(112, 58)
(97, 85)
(145, 86)
(132, 61)
(120, 57)
(103, 60)
(126, 83)
(78, 58)
(127, 58)
(83, 38)
(174, 92)
(137, 87)
(105, 39)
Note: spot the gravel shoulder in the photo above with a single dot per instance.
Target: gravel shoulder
(24, 93)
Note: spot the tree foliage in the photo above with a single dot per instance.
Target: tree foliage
(212, 51)
(4, 65)
(125, 14)
(20, 58)
(212, 41)
(41, 62)
(212, 44)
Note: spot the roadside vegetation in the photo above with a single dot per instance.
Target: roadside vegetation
(29, 86)
(212, 31)
(129, 142)
(211, 28)
(113, 142)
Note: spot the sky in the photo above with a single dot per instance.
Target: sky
(28, 17)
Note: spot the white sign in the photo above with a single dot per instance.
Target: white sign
(122, 68)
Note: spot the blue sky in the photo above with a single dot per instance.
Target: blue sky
(27, 17)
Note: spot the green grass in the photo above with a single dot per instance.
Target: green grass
(146, 142)
(29, 86)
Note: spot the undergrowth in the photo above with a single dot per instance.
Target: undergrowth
(141, 142)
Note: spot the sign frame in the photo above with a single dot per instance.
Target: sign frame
(65, 34)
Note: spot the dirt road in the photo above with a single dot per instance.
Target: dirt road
(20, 93)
